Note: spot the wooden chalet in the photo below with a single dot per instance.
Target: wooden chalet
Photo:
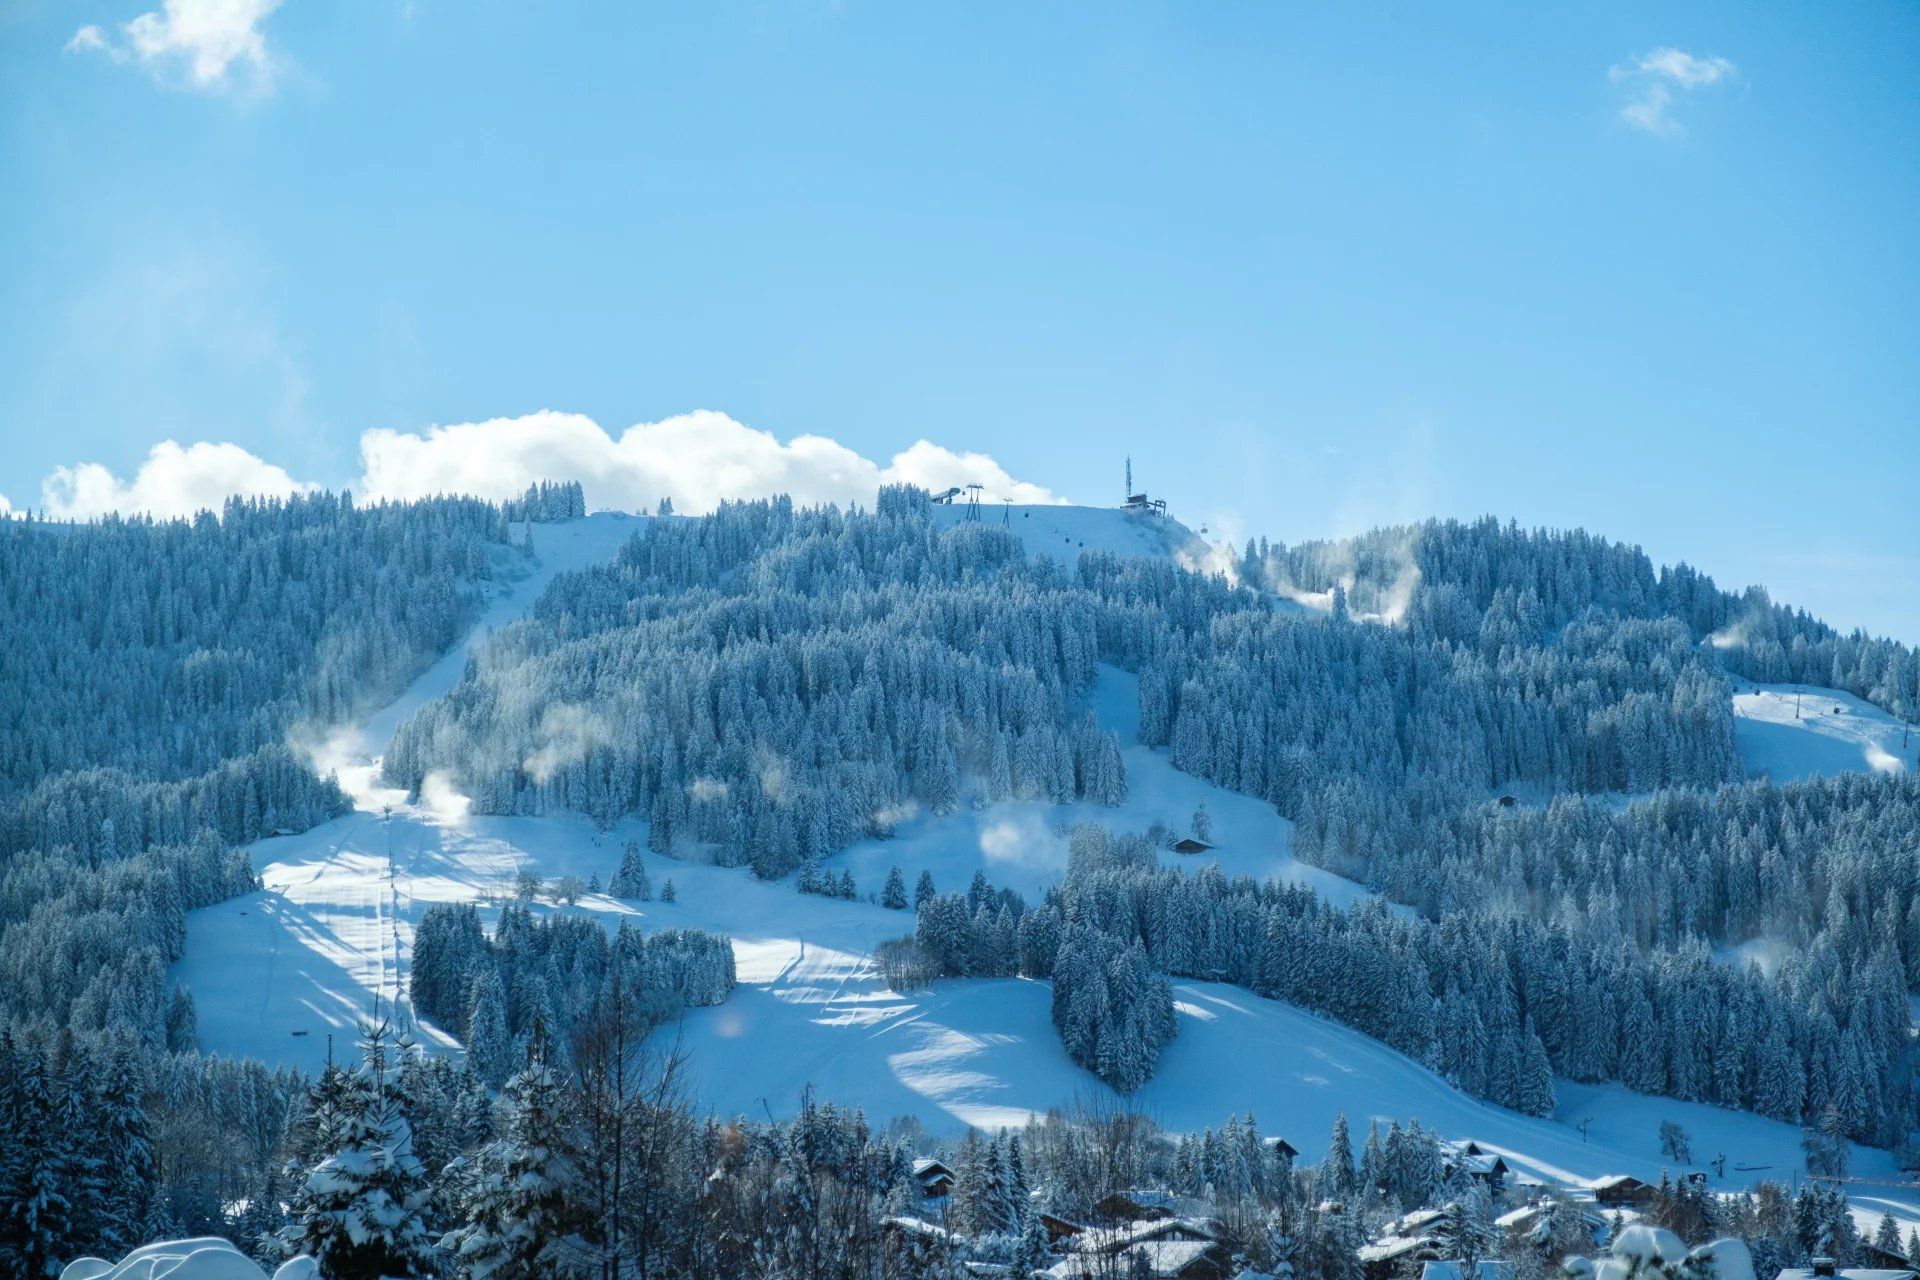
(1623, 1191)
(1188, 845)
(1485, 1269)
(1121, 1207)
(1481, 1166)
(1391, 1256)
(935, 1179)
(1157, 1259)
(1824, 1269)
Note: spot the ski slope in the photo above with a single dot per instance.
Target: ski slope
(1064, 532)
(281, 969)
(1023, 846)
(276, 972)
(1787, 732)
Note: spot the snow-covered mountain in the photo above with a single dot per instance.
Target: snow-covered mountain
(277, 972)
(997, 812)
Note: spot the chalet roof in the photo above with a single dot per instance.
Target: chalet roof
(1118, 1238)
(1527, 1214)
(1487, 1269)
(1474, 1158)
(915, 1227)
(1417, 1221)
(1387, 1248)
(1163, 1258)
(924, 1167)
(1187, 844)
(1613, 1180)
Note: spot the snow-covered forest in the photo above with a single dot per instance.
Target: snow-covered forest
(1520, 745)
(773, 684)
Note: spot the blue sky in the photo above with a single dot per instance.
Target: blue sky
(1649, 269)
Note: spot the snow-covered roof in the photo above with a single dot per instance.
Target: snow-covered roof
(1115, 1239)
(201, 1258)
(1162, 1257)
(1851, 1273)
(915, 1227)
(1614, 1180)
(1487, 1269)
(1411, 1224)
(1392, 1247)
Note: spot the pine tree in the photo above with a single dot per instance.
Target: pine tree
(129, 1170)
(362, 1210)
(1339, 1164)
(893, 895)
(668, 893)
(489, 1048)
(1535, 1075)
(923, 890)
(518, 1221)
(36, 1217)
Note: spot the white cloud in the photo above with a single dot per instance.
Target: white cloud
(209, 45)
(697, 459)
(172, 482)
(6, 508)
(1653, 80)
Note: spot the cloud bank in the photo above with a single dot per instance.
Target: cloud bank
(699, 460)
(174, 481)
(206, 45)
(1653, 80)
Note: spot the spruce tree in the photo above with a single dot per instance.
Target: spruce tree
(519, 1222)
(1339, 1164)
(362, 1210)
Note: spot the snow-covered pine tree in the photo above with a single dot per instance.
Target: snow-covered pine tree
(1338, 1169)
(518, 1222)
(489, 1047)
(362, 1210)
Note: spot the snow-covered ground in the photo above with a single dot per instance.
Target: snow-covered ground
(1064, 532)
(333, 929)
(1787, 731)
(1023, 846)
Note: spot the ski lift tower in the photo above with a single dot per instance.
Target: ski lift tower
(973, 503)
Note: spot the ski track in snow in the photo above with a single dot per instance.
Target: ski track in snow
(1787, 732)
(333, 928)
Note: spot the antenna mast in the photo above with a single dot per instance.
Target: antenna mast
(1128, 495)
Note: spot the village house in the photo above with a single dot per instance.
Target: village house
(1824, 1269)
(1157, 1259)
(1623, 1190)
(1485, 1269)
(936, 1180)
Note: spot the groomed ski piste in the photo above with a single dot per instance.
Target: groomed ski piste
(1793, 731)
(281, 973)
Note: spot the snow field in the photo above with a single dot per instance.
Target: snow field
(1787, 732)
